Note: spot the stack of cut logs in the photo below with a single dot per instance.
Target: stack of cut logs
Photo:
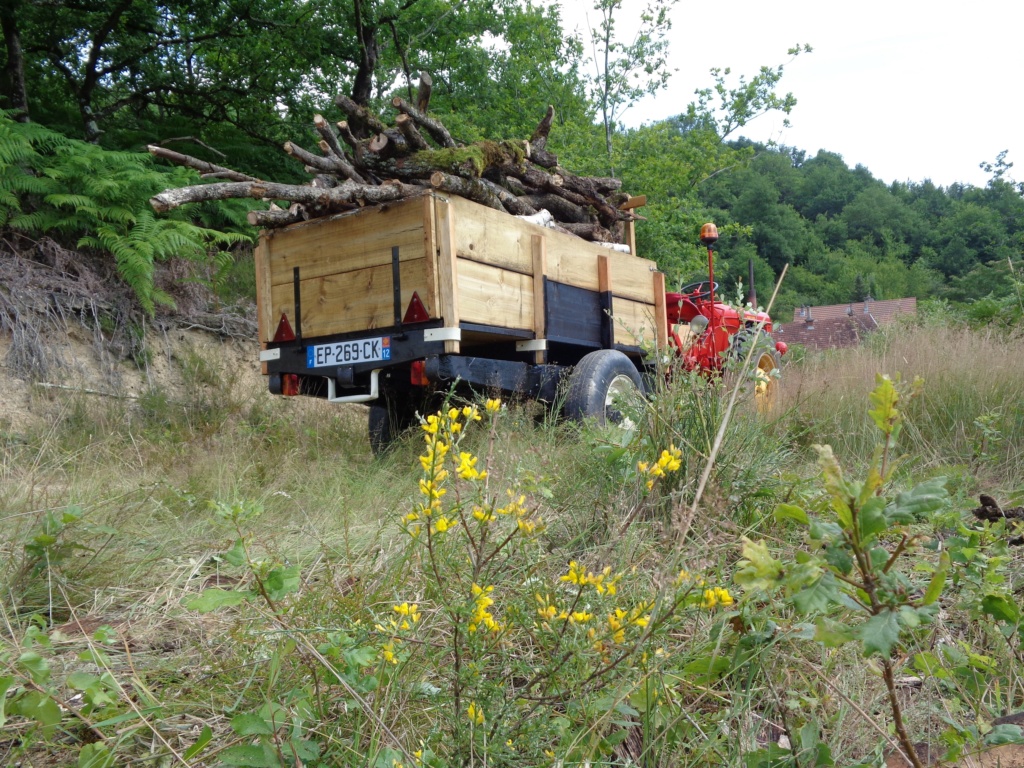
(365, 162)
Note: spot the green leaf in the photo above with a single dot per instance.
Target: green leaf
(884, 398)
(36, 666)
(832, 633)
(919, 502)
(817, 596)
(39, 707)
(839, 557)
(304, 749)
(79, 681)
(1000, 608)
(250, 756)
(212, 599)
(758, 570)
(791, 512)
(282, 581)
(5, 685)
(205, 736)
(938, 580)
(95, 755)
(236, 555)
(248, 724)
(880, 633)
(872, 520)
(1005, 733)
(927, 663)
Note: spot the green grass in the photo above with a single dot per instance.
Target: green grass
(111, 512)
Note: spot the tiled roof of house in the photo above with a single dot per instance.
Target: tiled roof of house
(883, 311)
(841, 325)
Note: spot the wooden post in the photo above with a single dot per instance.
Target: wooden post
(604, 287)
(629, 236)
(660, 313)
(264, 299)
(539, 244)
(447, 271)
(431, 301)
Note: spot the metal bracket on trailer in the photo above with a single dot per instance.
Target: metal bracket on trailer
(332, 390)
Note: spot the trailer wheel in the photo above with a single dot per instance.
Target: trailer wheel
(388, 420)
(599, 384)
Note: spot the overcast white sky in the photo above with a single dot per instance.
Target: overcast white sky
(910, 89)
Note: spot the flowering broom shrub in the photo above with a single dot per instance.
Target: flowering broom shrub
(533, 658)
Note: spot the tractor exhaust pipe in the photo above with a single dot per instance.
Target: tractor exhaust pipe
(752, 293)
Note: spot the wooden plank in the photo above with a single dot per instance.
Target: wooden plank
(263, 299)
(264, 304)
(447, 272)
(604, 277)
(634, 323)
(493, 237)
(634, 202)
(354, 301)
(494, 296)
(660, 311)
(540, 269)
(430, 300)
(572, 263)
(629, 235)
(347, 242)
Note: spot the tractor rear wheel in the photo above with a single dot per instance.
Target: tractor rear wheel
(766, 386)
(600, 385)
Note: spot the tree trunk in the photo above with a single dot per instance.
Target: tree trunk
(17, 95)
(348, 193)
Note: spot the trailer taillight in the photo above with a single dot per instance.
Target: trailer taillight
(284, 330)
(418, 373)
(416, 313)
(290, 384)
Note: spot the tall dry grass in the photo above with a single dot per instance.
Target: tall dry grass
(968, 413)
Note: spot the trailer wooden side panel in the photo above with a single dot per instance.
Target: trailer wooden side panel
(466, 262)
(490, 295)
(349, 301)
(347, 242)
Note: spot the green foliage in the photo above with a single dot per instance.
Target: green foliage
(860, 578)
(51, 184)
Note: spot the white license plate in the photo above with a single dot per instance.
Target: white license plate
(349, 352)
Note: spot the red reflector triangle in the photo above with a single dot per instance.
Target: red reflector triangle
(284, 330)
(416, 313)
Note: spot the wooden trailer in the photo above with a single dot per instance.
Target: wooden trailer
(385, 305)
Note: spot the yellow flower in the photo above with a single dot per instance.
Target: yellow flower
(467, 467)
(684, 575)
(431, 425)
(387, 651)
(453, 414)
(493, 406)
(577, 574)
(580, 617)
(483, 515)
(443, 524)
(475, 713)
(410, 611)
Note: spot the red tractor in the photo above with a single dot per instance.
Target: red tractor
(706, 332)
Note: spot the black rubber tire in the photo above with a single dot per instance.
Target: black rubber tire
(387, 421)
(595, 380)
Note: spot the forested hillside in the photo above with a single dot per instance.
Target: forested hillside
(86, 86)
